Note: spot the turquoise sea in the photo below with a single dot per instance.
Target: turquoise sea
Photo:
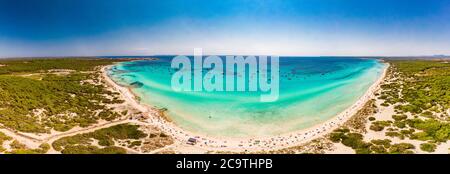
(312, 90)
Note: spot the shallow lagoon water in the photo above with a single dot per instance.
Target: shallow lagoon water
(312, 90)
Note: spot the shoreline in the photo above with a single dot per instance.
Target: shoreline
(248, 144)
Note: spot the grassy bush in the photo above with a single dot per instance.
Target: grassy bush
(3, 138)
(82, 149)
(401, 148)
(428, 147)
(395, 134)
(385, 142)
(378, 146)
(379, 125)
(431, 129)
(43, 65)
(423, 86)
(105, 137)
(399, 117)
(43, 148)
(400, 124)
(135, 143)
(57, 95)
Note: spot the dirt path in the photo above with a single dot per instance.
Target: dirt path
(51, 139)
(33, 142)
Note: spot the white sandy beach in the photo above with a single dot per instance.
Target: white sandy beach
(252, 144)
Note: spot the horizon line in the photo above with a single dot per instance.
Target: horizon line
(110, 56)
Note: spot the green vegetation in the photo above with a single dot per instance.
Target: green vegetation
(423, 86)
(400, 124)
(43, 148)
(431, 129)
(399, 117)
(386, 143)
(43, 65)
(88, 149)
(356, 142)
(17, 145)
(379, 125)
(395, 134)
(65, 100)
(135, 143)
(19, 148)
(40, 95)
(401, 148)
(3, 138)
(428, 147)
(82, 143)
(420, 88)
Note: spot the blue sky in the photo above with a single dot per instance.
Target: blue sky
(249, 27)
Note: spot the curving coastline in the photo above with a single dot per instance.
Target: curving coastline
(243, 144)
